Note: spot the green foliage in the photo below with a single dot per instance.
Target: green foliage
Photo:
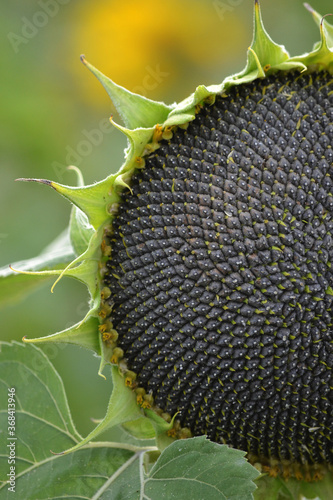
(51, 261)
(198, 468)
(194, 468)
(43, 420)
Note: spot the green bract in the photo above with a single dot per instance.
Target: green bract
(83, 252)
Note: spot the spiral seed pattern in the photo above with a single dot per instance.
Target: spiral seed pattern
(221, 272)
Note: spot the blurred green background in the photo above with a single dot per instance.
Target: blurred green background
(54, 113)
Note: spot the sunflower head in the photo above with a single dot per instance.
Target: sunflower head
(208, 261)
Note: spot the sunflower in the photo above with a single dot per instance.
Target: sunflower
(208, 261)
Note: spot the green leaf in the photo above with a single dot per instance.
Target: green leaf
(56, 256)
(198, 469)
(43, 422)
(99, 472)
(90, 473)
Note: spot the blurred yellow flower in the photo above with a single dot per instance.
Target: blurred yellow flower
(148, 46)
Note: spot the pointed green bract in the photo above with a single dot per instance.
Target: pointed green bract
(83, 334)
(92, 200)
(267, 55)
(136, 110)
(106, 354)
(263, 53)
(87, 270)
(185, 111)
(161, 428)
(328, 28)
(322, 56)
(122, 408)
(137, 142)
(140, 428)
(80, 230)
